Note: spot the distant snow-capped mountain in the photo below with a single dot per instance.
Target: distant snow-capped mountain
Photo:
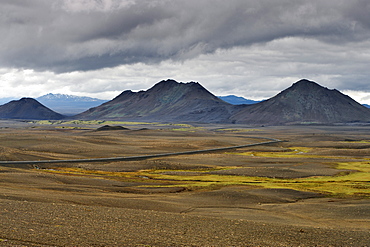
(69, 104)
(67, 97)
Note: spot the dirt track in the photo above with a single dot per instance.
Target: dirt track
(39, 208)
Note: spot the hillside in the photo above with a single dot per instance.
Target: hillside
(27, 108)
(304, 102)
(236, 100)
(69, 104)
(166, 101)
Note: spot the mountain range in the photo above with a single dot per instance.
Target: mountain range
(71, 104)
(305, 102)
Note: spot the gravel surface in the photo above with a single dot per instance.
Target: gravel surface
(50, 224)
(43, 208)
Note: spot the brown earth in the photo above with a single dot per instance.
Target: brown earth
(40, 207)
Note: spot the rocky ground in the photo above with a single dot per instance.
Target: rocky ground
(40, 207)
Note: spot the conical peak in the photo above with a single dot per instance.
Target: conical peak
(304, 83)
(172, 83)
(167, 82)
(305, 86)
(27, 100)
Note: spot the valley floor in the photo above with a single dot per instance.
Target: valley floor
(311, 190)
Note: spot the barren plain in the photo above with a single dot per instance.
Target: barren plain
(312, 189)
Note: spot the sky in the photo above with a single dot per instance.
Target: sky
(248, 48)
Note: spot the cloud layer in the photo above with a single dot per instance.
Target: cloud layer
(64, 36)
(255, 48)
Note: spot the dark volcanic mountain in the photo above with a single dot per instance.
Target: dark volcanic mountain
(166, 101)
(27, 108)
(304, 102)
(169, 101)
(236, 100)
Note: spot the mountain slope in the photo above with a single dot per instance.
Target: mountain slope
(6, 100)
(304, 102)
(166, 101)
(27, 108)
(69, 104)
(236, 100)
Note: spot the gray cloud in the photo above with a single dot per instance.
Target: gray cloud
(63, 36)
(248, 48)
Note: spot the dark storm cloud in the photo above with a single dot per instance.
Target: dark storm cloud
(63, 36)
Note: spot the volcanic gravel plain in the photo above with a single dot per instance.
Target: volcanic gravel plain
(312, 189)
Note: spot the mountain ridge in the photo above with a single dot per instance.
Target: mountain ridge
(304, 102)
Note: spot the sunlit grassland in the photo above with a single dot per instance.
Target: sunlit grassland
(188, 128)
(351, 184)
(107, 122)
(295, 152)
(70, 127)
(84, 124)
(63, 124)
(362, 141)
(137, 176)
(87, 122)
(237, 130)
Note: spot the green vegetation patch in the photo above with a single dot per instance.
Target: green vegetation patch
(237, 130)
(87, 122)
(362, 141)
(355, 182)
(107, 122)
(295, 152)
(188, 128)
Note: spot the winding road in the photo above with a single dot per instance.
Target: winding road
(142, 157)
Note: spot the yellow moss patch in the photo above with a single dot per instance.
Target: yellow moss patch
(362, 141)
(238, 130)
(349, 184)
(299, 152)
(190, 129)
(363, 166)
